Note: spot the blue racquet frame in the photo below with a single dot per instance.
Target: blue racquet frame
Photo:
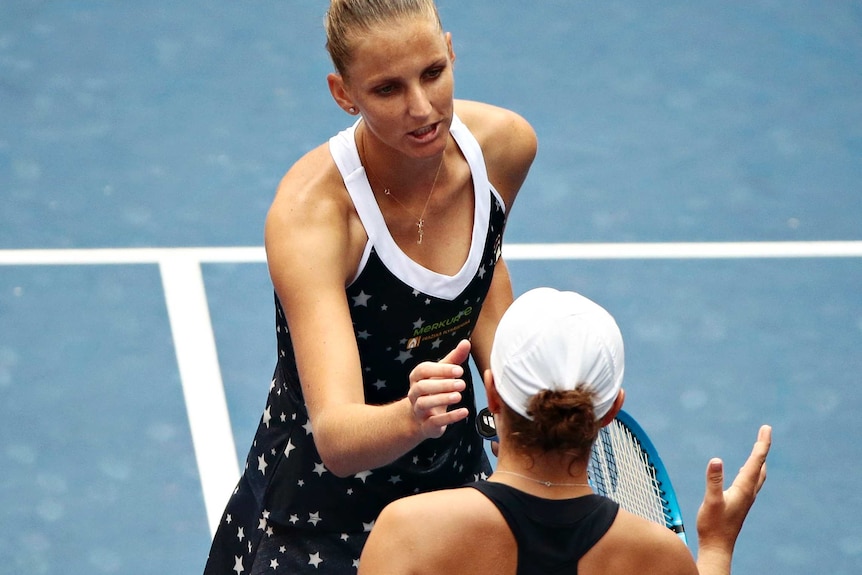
(603, 469)
(624, 466)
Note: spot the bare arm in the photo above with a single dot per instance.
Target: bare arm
(313, 242)
(497, 301)
(509, 146)
(720, 517)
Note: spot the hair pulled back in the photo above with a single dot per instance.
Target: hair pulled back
(563, 421)
(347, 19)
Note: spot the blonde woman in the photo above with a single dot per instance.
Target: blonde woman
(383, 245)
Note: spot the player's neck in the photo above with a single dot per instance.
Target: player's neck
(552, 476)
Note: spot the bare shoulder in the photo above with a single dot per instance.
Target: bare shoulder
(498, 130)
(447, 508)
(426, 534)
(310, 184)
(487, 121)
(508, 143)
(635, 545)
(312, 215)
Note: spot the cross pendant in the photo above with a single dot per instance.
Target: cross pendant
(421, 226)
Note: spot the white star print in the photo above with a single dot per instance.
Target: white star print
(266, 417)
(361, 299)
(395, 479)
(415, 292)
(240, 534)
(237, 566)
(379, 384)
(363, 475)
(315, 560)
(428, 301)
(273, 564)
(293, 519)
(319, 469)
(288, 448)
(481, 271)
(356, 563)
(345, 536)
(261, 464)
(228, 519)
(363, 334)
(314, 518)
(307, 427)
(418, 323)
(436, 343)
(404, 356)
(261, 524)
(367, 527)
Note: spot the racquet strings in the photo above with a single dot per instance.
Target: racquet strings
(620, 469)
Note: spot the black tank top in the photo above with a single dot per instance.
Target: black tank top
(552, 535)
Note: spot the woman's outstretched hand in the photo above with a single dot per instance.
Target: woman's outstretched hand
(722, 513)
(434, 386)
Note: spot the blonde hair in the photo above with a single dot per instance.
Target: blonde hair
(346, 19)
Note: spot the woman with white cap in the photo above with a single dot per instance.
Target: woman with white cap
(556, 376)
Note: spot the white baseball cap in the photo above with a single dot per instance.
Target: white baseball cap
(557, 340)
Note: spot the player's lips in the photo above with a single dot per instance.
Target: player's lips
(425, 132)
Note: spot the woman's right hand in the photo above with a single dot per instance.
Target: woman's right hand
(434, 386)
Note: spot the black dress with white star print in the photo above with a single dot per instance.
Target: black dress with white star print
(310, 520)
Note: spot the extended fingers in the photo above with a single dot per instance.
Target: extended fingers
(429, 401)
(714, 482)
(429, 370)
(441, 420)
(458, 355)
(752, 475)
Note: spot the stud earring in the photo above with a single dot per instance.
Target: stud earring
(352, 110)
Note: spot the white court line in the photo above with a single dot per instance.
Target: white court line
(197, 358)
(203, 388)
(119, 256)
(532, 251)
(682, 250)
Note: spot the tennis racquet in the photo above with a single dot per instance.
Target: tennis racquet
(624, 466)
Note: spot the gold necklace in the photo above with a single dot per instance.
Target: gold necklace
(545, 483)
(420, 221)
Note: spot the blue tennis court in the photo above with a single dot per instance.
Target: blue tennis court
(699, 175)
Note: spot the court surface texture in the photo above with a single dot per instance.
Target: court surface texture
(698, 175)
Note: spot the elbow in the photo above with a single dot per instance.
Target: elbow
(335, 456)
(337, 466)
